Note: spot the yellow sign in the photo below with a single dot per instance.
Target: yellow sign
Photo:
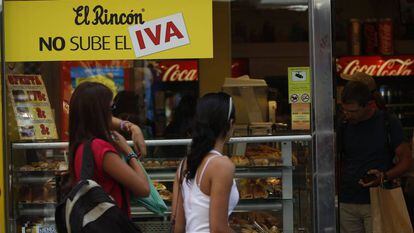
(107, 30)
(31, 107)
(299, 84)
(2, 191)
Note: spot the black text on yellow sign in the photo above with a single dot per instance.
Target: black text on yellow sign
(84, 43)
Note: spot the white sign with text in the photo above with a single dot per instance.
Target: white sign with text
(159, 35)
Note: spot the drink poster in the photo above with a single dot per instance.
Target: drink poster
(31, 107)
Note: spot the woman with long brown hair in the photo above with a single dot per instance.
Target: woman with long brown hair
(90, 118)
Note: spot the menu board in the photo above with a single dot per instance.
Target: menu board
(31, 107)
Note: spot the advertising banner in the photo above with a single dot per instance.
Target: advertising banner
(31, 107)
(107, 30)
(376, 65)
(179, 70)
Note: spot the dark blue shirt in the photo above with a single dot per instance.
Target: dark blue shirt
(365, 148)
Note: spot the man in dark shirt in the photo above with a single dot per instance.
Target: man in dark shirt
(366, 150)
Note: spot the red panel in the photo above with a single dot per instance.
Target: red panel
(376, 65)
(179, 70)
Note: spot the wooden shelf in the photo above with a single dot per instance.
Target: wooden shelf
(272, 59)
(401, 47)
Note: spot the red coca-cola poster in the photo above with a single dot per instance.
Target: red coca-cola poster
(179, 70)
(376, 65)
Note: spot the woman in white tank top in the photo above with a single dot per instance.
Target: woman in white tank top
(205, 193)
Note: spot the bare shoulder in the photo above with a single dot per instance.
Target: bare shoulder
(222, 165)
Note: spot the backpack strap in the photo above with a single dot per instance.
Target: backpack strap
(124, 199)
(88, 161)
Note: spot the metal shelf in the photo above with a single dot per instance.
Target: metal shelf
(399, 105)
(274, 205)
(34, 179)
(170, 142)
(37, 210)
(245, 173)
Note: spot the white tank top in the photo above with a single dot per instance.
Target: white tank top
(197, 204)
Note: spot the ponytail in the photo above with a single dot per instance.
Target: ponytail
(214, 114)
(203, 142)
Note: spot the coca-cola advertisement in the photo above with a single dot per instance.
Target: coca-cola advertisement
(179, 70)
(376, 65)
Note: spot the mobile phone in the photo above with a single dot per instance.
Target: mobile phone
(369, 178)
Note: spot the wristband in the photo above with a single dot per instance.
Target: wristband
(122, 125)
(131, 155)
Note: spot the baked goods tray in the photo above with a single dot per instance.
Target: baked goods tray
(40, 173)
(154, 226)
(161, 164)
(270, 198)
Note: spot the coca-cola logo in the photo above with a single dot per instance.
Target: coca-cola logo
(175, 73)
(376, 67)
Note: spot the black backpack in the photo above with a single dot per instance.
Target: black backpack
(88, 209)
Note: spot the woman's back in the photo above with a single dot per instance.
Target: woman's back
(197, 203)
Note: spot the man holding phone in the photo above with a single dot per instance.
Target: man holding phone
(373, 149)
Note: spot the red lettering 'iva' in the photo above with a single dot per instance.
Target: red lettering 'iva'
(171, 31)
(154, 38)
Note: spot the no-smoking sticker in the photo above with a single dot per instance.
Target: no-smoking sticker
(305, 98)
(294, 98)
(300, 85)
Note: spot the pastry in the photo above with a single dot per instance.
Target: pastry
(156, 164)
(159, 186)
(165, 164)
(165, 195)
(240, 160)
(49, 194)
(26, 168)
(245, 189)
(62, 166)
(260, 162)
(259, 192)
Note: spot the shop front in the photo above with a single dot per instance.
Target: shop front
(158, 57)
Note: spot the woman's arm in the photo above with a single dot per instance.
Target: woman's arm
(177, 206)
(132, 176)
(136, 133)
(221, 184)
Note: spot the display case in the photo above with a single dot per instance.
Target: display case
(272, 176)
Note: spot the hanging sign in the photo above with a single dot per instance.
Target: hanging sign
(31, 107)
(376, 65)
(107, 30)
(299, 85)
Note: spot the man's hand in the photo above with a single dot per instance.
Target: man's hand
(374, 183)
